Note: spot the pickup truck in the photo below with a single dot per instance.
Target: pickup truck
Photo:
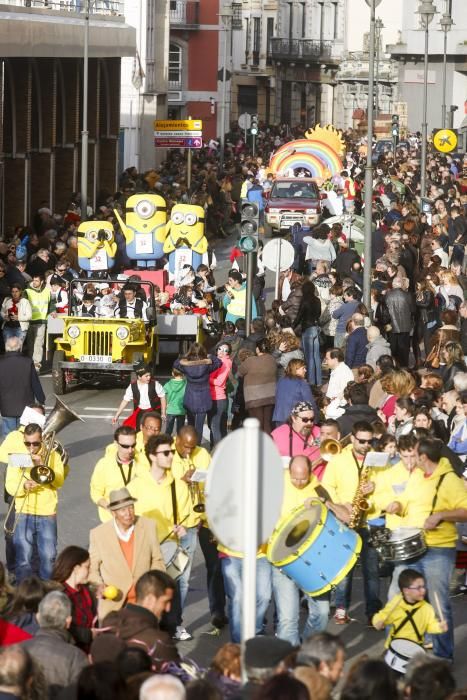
(292, 200)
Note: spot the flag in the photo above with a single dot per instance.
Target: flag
(138, 72)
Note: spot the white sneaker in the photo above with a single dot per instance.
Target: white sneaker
(181, 634)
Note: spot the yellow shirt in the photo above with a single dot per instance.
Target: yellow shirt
(341, 479)
(293, 496)
(390, 483)
(417, 501)
(395, 612)
(13, 443)
(111, 450)
(154, 500)
(43, 499)
(107, 477)
(199, 459)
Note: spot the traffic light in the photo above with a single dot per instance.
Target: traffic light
(254, 124)
(249, 225)
(395, 126)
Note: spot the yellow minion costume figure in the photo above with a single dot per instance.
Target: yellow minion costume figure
(185, 243)
(96, 246)
(144, 227)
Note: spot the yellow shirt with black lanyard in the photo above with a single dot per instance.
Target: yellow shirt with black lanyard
(408, 620)
(140, 453)
(110, 474)
(198, 459)
(41, 500)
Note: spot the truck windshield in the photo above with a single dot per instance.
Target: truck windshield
(287, 190)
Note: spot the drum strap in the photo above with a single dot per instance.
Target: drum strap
(409, 618)
(435, 497)
(174, 501)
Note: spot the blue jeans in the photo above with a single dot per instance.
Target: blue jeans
(177, 421)
(197, 420)
(287, 600)
(30, 529)
(436, 567)
(370, 571)
(188, 542)
(310, 344)
(339, 339)
(232, 573)
(9, 423)
(13, 333)
(217, 421)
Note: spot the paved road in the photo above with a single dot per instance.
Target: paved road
(86, 442)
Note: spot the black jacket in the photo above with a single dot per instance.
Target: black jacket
(353, 414)
(19, 384)
(309, 313)
(401, 309)
(344, 261)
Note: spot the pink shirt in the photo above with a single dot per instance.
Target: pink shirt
(290, 444)
(218, 380)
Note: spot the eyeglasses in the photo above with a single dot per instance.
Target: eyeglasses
(305, 419)
(364, 442)
(417, 588)
(151, 430)
(166, 453)
(32, 444)
(127, 447)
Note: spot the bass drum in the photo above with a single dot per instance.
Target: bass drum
(313, 548)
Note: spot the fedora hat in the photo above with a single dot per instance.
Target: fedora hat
(120, 498)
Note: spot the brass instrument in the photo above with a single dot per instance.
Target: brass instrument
(196, 494)
(329, 448)
(360, 503)
(43, 474)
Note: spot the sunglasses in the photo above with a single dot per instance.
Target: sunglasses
(166, 453)
(364, 442)
(128, 447)
(305, 419)
(32, 444)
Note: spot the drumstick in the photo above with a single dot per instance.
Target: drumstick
(171, 533)
(440, 612)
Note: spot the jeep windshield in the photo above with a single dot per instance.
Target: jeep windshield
(294, 190)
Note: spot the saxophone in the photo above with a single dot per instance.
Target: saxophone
(360, 503)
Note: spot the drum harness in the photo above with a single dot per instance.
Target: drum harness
(409, 617)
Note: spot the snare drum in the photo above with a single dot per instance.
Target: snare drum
(400, 652)
(403, 544)
(175, 557)
(313, 548)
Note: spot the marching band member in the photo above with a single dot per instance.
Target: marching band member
(151, 425)
(116, 470)
(435, 500)
(35, 506)
(121, 550)
(345, 485)
(167, 502)
(299, 487)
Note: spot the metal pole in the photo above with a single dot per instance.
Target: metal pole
(85, 132)
(188, 169)
(278, 268)
(223, 105)
(253, 145)
(369, 164)
(251, 458)
(377, 75)
(425, 118)
(250, 275)
(445, 70)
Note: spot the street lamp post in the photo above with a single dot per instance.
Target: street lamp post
(446, 23)
(85, 132)
(372, 4)
(226, 17)
(427, 11)
(379, 26)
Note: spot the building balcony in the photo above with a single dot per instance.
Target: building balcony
(98, 7)
(184, 14)
(301, 50)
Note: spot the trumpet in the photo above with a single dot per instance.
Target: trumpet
(196, 494)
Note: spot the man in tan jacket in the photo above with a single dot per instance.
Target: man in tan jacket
(122, 550)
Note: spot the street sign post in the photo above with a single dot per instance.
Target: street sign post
(244, 491)
(278, 256)
(178, 125)
(178, 133)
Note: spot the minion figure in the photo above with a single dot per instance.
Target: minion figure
(144, 230)
(185, 243)
(96, 246)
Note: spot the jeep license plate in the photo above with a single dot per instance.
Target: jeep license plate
(97, 359)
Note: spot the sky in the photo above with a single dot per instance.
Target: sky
(390, 12)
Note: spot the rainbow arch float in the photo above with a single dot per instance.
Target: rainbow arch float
(316, 156)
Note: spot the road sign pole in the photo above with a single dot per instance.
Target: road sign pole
(278, 268)
(250, 276)
(251, 461)
(188, 167)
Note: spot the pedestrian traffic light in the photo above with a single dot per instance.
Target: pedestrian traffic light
(395, 126)
(254, 124)
(249, 225)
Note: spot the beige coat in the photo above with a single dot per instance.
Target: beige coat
(108, 564)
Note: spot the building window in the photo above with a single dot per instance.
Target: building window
(269, 35)
(256, 40)
(303, 20)
(237, 15)
(175, 66)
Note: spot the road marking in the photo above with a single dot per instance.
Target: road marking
(103, 408)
